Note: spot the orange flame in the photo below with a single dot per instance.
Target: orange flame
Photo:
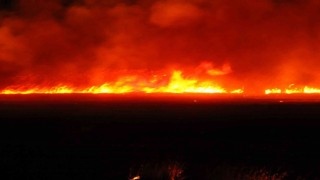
(203, 79)
(135, 178)
(177, 82)
(294, 90)
(273, 91)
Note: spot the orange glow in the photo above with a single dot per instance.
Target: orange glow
(294, 90)
(178, 84)
(38, 90)
(135, 178)
(202, 79)
(237, 91)
(273, 91)
(310, 90)
(170, 46)
(198, 80)
(304, 90)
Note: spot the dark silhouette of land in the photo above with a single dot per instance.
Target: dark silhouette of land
(105, 136)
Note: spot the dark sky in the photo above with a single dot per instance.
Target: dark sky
(7, 4)
(274, 42)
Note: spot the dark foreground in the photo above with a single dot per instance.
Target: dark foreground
(85, 137)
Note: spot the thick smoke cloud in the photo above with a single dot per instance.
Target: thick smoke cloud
(266, 42)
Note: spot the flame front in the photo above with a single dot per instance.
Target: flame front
(201, 79)
(303, 90)
(176, 82)
(159, 46)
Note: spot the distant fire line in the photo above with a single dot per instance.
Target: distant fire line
(198, 80)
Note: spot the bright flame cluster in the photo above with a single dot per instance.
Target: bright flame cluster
(195, 80)
(290, 90)
(129, 84)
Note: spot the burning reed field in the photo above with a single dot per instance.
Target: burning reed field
(160, 89)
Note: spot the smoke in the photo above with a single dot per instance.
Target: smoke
(266, 42)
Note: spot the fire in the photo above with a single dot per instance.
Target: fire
(135, 178)
(38, 90)
(294, 90)
(237, 91)
(202, 79)
(177, 82)
(310, 90)
(93, 46)
(273, 91)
